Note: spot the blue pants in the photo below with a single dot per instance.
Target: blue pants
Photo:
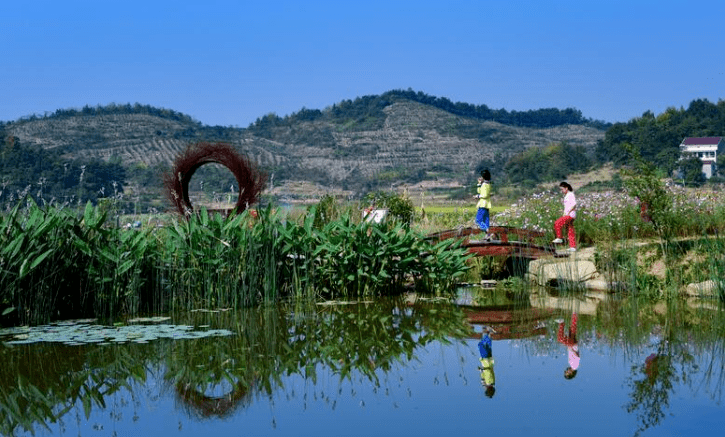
(482, 219)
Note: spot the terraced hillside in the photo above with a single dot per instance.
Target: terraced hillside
(403, 140)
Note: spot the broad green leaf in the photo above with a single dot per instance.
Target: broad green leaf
(125, 266)
(40, 259)
(7, 311)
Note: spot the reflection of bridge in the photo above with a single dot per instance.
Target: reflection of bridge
(509, 322)
(525, 243)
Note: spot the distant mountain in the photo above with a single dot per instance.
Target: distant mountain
(356, 145)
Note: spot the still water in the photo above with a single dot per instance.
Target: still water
(385, 368)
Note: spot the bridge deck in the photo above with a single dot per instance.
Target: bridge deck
(528, 243)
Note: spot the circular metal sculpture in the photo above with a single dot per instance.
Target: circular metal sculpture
(250, 180)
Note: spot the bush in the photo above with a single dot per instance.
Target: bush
(400, 207)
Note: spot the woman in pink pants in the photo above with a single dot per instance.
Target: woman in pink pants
(568, 218)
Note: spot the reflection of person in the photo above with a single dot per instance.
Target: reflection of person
(571, 344)
(484, 202)
(488, 378)
(568, 218)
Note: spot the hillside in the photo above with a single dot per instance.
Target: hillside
(355, 146)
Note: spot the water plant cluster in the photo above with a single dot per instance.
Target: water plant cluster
(61, 264)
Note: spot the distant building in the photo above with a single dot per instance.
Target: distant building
(705, 148)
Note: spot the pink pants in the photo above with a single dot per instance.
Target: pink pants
(568, 222)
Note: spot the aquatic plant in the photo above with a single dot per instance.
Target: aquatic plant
(59, 264)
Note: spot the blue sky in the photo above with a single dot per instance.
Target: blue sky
(229, 62)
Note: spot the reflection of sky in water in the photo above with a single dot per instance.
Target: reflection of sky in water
(438, 393)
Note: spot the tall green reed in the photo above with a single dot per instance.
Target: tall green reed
(60, 263)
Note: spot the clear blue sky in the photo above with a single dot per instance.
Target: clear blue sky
(229, 62)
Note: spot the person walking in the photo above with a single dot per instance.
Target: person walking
(484, 202)
(566, 220)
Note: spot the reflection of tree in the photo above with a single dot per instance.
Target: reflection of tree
(690, 345)
(653, 382)
(650, 396)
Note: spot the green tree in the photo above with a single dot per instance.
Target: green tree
(692, 174)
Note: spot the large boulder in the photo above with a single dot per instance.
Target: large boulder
(551, 271)
(707, 289)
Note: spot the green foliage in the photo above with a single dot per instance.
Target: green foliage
(352, 259)
(366, 112)
(58, 264)
(400, 207)
(555, 162)
(542, 118)
(44, 174)
(645, 184)
(114, 109)
(326, 211)
(692, 174)
(657, 138)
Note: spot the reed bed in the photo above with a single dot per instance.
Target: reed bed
(60, 264)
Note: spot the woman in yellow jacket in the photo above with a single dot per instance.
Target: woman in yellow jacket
(484, 202)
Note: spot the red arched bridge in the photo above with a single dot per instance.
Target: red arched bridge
(505, 241)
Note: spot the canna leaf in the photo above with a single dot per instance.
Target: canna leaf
(125, 267)
(7, 311)
(26, 267)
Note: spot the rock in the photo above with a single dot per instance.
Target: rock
(603, 285)
(709, 288)
(551, 271)
(587, 304)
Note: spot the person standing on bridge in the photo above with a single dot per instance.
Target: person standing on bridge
(568, 218)
(484, 202)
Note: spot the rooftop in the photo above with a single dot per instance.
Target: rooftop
(701, 141)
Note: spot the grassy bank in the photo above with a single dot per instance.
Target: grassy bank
(656, 254)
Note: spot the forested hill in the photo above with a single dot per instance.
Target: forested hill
(356, 145)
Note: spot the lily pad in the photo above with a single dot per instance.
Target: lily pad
(82, 332)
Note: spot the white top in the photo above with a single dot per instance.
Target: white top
(570, 204)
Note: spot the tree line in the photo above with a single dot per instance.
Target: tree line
(657, 138)
(118, 109)
(367, 112)
(46, 176)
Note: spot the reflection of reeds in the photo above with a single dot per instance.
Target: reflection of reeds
(44, 384)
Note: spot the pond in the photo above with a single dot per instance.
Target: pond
(407, 366)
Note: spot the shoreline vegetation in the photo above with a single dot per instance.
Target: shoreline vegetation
(59, 263)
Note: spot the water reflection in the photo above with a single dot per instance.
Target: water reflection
(41, 383)
(485, 349)
(388, 367)
(572, 345)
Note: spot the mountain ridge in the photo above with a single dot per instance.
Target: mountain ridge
(358, 145)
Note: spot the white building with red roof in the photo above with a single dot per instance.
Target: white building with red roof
(705, 148)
